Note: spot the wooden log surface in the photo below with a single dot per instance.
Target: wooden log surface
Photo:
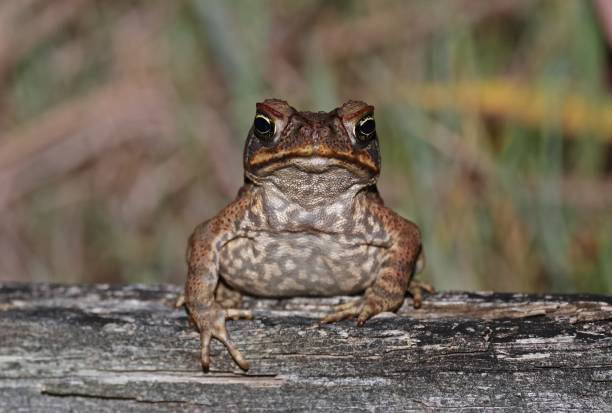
(125, 348)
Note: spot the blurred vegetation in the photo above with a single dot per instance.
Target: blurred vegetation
(122, 123)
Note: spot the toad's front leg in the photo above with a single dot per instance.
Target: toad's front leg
(202, 279)
(398, 265)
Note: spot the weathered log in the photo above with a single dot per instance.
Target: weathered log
(126, 348)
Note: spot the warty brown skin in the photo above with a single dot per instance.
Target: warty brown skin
(307, 222)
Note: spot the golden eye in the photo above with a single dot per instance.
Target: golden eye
(365, 128)
(263, 127)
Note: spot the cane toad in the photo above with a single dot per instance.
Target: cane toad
(308, 221)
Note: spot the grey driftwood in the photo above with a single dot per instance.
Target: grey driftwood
(125, 348)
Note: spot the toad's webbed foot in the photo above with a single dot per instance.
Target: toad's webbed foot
(210, 321)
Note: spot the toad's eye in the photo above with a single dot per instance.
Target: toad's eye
(365, 128)
(263, 127)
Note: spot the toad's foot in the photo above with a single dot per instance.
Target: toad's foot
(344, 311)
(211, 323)
(363, 308)
(370, 304)
(416, 289)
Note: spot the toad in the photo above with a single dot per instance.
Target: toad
(308, 221)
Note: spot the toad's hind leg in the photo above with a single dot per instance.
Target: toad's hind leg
(226, 296)
(416, 289)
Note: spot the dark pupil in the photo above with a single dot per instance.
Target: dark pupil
(367, 127)
(262, 125)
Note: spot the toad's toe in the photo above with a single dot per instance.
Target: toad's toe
(344, 311)
(416, 289)
(211, 323)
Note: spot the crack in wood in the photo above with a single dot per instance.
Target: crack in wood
(52, 393)
(123, 377)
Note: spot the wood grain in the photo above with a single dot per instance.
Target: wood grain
(125, 348)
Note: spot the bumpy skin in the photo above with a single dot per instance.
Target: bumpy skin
(308, 222)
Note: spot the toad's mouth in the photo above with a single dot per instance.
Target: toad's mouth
(359, 166)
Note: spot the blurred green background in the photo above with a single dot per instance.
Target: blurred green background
(122, 124)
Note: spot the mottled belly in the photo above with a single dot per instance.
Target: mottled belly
(298, 264)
